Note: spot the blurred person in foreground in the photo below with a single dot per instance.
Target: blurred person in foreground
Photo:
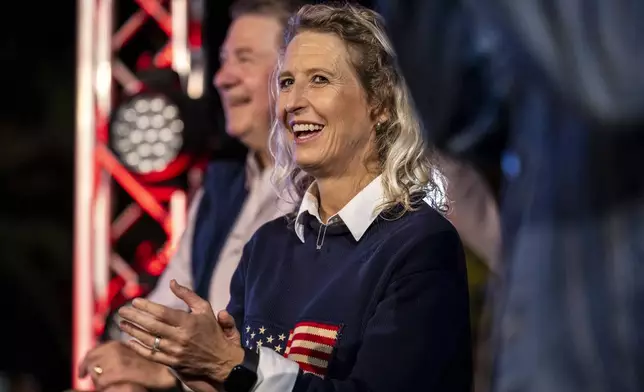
(237, 195)
(365, 287)
(571, 306)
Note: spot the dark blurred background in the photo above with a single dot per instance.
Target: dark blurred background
(36, 191)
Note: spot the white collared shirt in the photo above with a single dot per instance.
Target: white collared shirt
(358, 214)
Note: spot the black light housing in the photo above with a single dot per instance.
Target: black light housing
(158, 132)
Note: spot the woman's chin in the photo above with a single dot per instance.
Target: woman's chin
(310, 164)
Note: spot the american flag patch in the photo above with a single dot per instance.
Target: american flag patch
(311, 346)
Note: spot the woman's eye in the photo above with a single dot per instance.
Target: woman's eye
(318, 79)
(285, 83)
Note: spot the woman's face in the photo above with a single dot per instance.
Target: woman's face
(323, 107)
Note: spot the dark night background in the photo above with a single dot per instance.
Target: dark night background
(36, 190)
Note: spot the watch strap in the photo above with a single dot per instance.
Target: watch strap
(251, 359)
(243, 377)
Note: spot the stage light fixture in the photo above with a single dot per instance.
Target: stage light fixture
(157, 133)
(147, 133)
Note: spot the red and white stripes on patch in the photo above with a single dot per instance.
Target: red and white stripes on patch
(311, 346)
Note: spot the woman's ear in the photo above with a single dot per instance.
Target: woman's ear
(379, 115)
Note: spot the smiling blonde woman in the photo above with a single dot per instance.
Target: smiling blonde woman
(364, 288)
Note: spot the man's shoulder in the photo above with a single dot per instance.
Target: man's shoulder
(224, 165)
(222, 172)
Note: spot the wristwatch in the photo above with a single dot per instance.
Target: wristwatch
(243, 376)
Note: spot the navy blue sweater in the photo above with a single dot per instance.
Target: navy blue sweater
(386, 313)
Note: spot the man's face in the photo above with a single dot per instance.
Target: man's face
(248, 57)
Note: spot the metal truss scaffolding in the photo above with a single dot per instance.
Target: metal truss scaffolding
(99, 73)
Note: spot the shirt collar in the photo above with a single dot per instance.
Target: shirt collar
(357, 215)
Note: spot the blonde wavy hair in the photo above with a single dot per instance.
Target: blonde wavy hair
(408, 167)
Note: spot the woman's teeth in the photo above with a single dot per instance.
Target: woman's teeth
(303, 131)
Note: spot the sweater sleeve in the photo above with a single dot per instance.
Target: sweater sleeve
(419, 336)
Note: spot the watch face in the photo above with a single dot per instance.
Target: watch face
(240, 379)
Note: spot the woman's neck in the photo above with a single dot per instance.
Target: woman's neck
(335, 192)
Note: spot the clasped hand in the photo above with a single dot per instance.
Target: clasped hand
(195, 344)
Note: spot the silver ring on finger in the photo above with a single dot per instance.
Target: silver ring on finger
(157, 343)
